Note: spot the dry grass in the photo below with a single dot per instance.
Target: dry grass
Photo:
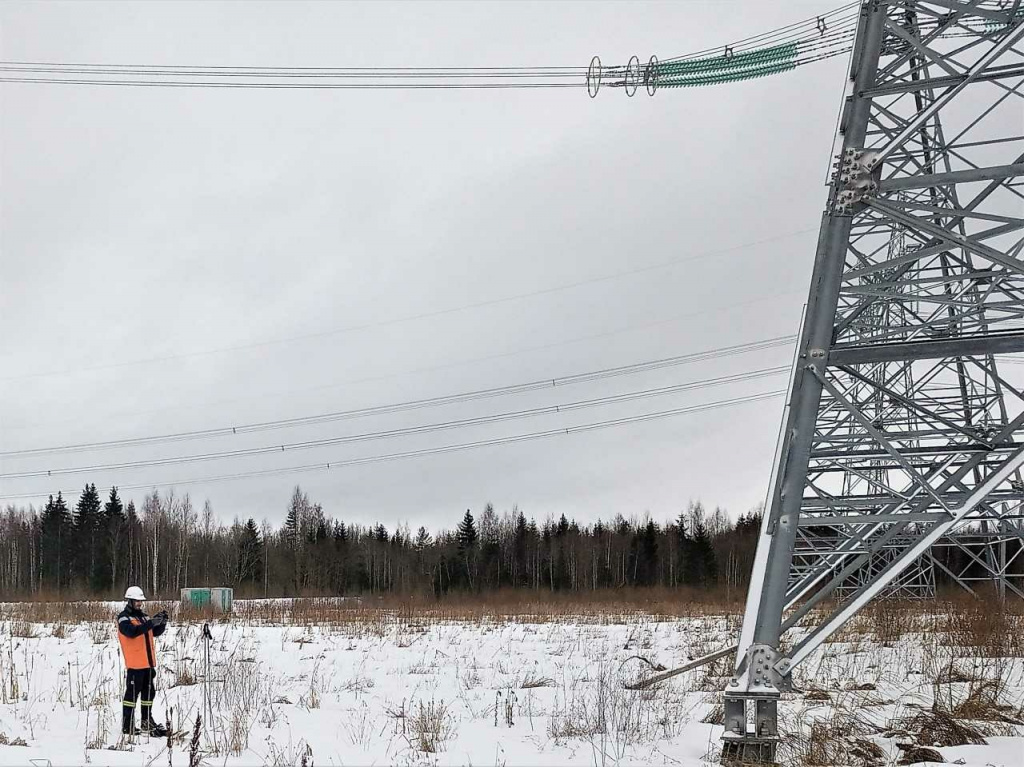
(430, 727)
(598, 708)
(237, 739)
(827, 748)
(381, 612)
(888, 621)
(183, 676)
(70, 613)
(985, 702)
(841, 738)
(983, 629)
(938, 728)
(22, 629)
(912, 754)
(100, 633)
(532, 682)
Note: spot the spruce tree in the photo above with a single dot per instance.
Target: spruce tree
(467, 532)
(133, 562)
(340, 533)
(467, 537)
(113, 538)
(87, 526)
(291, 526)
(519, 561)
(250, 553)
(55, 529)
(685, 563)
(701, 567)
(490, 549)
(649, 554)
(422, 539)
(704, 552)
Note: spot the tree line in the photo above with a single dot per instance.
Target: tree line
(100, 545)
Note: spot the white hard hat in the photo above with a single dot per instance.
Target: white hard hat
(134, 592)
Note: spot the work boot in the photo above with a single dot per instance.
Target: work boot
(154, 729)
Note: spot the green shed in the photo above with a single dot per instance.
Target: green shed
(219, 599)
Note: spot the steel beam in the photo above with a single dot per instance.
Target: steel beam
(962, 346)
(953, 177)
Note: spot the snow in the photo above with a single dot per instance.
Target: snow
(496, 693)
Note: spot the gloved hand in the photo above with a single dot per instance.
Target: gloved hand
(167, 618)
(158, 620)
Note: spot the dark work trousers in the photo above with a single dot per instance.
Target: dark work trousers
(140, 683)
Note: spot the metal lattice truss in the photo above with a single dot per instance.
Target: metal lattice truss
(901, 431)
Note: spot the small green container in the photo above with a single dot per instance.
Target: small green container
(220, 599)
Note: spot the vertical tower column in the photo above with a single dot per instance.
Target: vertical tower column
(898, 427)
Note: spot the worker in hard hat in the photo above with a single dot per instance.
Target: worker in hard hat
(135, 631)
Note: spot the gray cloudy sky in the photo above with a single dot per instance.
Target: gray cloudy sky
(186, 259)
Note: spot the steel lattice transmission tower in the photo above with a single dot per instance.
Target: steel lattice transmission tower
(900, 431)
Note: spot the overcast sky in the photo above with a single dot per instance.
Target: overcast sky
(174, 260)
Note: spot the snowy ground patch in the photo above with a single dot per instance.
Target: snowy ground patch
(402, 688)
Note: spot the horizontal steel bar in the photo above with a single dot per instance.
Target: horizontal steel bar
(865, 519)
(909, 86)
(923, 350)
(812, 504)
(967, 10)
(952, 177)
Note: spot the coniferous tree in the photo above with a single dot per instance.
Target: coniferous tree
(112, 538)
(703, 565)
(340, 532)
(467, 531)
(490, 548)
(250, 553)
(559, 572)
(599, 563)
(55, 529)
(648, 551)
(340, 567)
(87, 536)
(519, 550)
(684, 550)
(134, 552)
(467, 537)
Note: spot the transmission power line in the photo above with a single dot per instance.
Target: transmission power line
(778, 50)
(582, 428)
(406, 431)
(397, 407)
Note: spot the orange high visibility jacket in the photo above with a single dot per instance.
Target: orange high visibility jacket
(135, 633)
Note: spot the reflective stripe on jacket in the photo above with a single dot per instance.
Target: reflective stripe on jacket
(139, 651)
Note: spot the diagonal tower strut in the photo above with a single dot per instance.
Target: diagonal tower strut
(902, 439)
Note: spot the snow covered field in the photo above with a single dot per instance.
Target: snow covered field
(408, 688)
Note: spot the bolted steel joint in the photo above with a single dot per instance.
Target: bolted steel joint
(855, 180)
